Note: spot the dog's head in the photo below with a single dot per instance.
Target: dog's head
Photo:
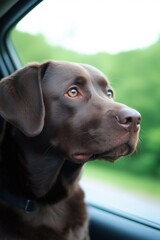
(73, 106)
(64, 115)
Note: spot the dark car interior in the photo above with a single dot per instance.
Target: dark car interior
(104, 223)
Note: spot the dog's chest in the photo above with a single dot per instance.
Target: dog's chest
(66, 220)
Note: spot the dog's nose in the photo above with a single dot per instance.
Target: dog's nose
(129, 119)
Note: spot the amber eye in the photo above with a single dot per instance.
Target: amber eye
(72, 92)
(110, 93)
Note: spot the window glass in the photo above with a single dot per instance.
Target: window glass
(122, 39)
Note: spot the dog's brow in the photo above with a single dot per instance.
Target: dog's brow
(102, 82)
(79, 80)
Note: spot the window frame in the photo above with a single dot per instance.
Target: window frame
(8, 58)
(115, 225)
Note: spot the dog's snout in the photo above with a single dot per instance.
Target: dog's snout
(129, 119)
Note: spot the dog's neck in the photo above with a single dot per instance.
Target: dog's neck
(36, 170)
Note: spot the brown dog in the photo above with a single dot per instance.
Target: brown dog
(59, 116)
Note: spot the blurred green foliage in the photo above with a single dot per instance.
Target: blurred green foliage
(135, 75)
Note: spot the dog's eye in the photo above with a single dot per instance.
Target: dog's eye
(72, 92)
(110, 93)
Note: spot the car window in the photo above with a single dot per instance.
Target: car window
(122, 39)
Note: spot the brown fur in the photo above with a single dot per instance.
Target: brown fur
(48, 137)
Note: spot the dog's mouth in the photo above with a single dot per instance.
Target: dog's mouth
(110, 155)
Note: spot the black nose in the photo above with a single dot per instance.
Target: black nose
(129, 119)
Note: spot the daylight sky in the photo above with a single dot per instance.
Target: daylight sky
(90, 26)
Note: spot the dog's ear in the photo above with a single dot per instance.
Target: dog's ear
(21, 100)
